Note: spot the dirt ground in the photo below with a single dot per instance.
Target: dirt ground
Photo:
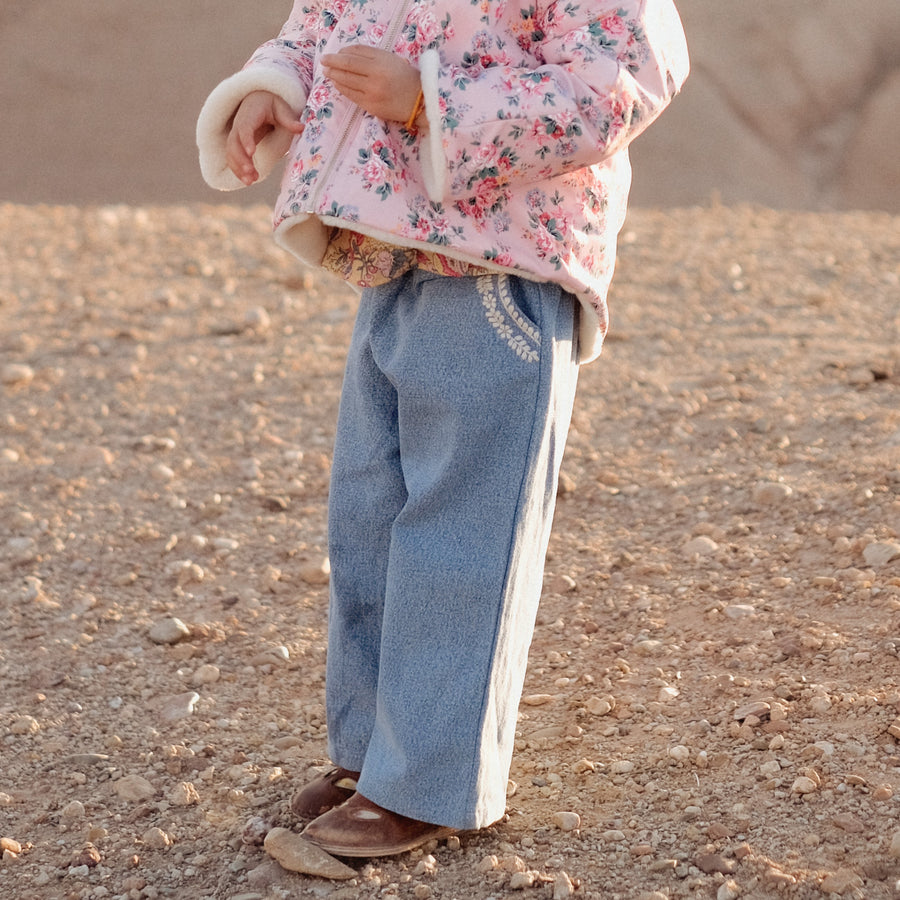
(714, 688)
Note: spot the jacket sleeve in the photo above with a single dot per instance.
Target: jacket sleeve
(605, 72)
(282, 66)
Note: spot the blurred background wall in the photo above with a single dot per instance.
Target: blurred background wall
(791, 103)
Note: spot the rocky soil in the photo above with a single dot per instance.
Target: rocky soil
(712, 704)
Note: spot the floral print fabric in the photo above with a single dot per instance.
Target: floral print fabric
(368, 262)
(531, 105)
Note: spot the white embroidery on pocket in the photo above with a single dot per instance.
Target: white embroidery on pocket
(506, 319)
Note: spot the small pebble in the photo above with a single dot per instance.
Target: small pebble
(567, 821)
(599, 706)
(512, 863)
(803, 785)
(162, 472)
(169, 631)
(769, 493)
(427, 865)
(649, 647)
(317, 573)
(87, 856)
(299, 855)
(255, 831)
(224, 546)
(184, 794)
(894, 848)
(709, 863)
(156, 839)
(700, 546)
(266, 875)
(846, 821)
(738, 611)
(24, 725)
(16, 373)
(179, 707)
(728, 890)
(880, 553)
(759, 708)
(538, 699)
(206, 674)
(9, 845)
(841, 881)
(520, 880)
(134, 789)
(563, 887)
(257, 318)
(72, 812)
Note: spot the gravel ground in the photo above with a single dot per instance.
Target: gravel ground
(712, 703)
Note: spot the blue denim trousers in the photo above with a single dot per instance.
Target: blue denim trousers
(455, 407)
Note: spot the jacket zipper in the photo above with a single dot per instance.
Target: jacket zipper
(387, 40)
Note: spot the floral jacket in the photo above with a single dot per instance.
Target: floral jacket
(523, 166)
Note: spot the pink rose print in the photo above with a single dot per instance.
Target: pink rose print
(319, 96)
(486, 156)
(614, 25)
(375, 32)
(545, 243)
(374, 172)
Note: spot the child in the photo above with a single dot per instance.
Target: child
(464, 162)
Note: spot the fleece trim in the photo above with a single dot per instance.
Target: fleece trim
(215, 121)
(431, 151)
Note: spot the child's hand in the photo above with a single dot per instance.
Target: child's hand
(259, 114)
(382, 83)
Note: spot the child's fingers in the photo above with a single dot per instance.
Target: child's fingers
(239, 150)
(347, 80)
(258, 115)
(284, 117)
(382, 83)
(362, 61)
(354, 53)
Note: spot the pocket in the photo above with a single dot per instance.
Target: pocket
(511, 307)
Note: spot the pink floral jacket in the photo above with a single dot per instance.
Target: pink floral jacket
(523, 167)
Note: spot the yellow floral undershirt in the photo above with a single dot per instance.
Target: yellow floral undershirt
(367, 262)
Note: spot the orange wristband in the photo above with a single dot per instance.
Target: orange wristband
(410, 125)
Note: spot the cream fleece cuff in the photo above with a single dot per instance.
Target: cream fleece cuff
(215, 119)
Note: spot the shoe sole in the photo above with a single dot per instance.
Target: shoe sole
(383, 850)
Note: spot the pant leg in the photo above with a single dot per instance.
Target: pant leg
(367, 493)
(484, 371)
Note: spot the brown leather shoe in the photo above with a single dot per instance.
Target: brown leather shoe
(323, 793)
(360, 828)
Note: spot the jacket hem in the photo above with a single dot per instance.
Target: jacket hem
(306, 236)
(215, 118)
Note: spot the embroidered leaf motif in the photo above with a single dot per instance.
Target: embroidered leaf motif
(504, 317)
